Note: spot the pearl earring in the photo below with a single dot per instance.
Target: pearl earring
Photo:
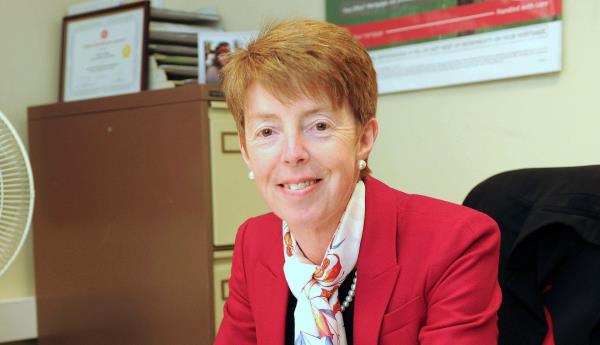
(362, 164)
(251, 175)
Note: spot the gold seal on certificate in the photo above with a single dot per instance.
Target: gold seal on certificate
(104, 52)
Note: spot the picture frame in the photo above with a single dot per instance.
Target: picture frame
(214, 45)
(104, 53)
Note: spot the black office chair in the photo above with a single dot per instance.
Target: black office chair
(549, 271)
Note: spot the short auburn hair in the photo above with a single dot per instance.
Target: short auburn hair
(303, 57)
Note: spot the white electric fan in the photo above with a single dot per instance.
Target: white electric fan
(16, 194)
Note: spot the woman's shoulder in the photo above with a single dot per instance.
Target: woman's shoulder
(260, 231)
(259, 239)
(418, 205)
(437, 209)
(429, 225)
(445, 228)
(268, 220)
(430, 216)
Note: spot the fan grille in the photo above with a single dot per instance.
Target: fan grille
(16, 194)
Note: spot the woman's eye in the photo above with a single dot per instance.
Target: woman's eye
(321, 126)
(265, 132)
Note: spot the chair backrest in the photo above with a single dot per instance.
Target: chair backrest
(549, 220)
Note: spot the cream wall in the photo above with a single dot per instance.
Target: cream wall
(438, 142)
(29, 63)
(250, 15)
(442, 142)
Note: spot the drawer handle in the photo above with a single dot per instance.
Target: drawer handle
(224, 289)
(229, 142)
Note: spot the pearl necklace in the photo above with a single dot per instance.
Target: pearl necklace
(350, 296)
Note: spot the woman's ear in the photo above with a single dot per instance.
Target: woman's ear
(367, 138)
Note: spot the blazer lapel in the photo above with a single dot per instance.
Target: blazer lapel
(270, 305)
(377, 267)
(377, 271)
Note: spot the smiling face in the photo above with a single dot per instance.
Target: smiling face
(304, 156)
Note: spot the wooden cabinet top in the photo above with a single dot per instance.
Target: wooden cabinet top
(186, 93)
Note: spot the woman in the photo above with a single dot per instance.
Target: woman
(343, 258)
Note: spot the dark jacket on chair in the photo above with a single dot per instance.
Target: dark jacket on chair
(549, 220)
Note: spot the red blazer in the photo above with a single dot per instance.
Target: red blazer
(427, 274)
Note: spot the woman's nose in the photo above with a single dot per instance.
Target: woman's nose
(295, 150)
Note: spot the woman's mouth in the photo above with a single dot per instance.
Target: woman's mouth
(300, 186)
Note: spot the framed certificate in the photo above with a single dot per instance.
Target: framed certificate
(104, 52)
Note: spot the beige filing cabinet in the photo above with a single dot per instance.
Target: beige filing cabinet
(235, 197)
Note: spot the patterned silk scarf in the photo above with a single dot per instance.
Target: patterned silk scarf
(318, 317)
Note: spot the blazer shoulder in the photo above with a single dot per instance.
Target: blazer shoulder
(448, 215)
(264, 220)
(415, 204)
(259, 233)
(420, 209)
(437, 207)
(444, 226)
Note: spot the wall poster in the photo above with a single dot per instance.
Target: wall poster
(418, 44)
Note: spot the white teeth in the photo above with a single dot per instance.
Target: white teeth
(299, 186)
